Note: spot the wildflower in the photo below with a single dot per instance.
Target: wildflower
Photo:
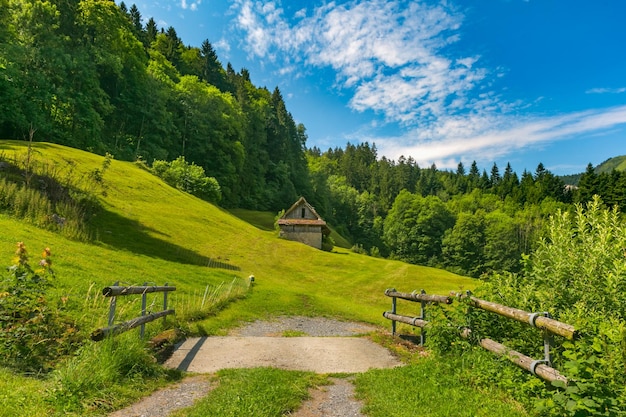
(21, 256)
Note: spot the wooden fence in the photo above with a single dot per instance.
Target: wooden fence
(539, 367)
(117, 291)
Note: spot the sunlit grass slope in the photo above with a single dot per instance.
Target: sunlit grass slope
(151, 232)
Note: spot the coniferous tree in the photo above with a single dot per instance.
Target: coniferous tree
(588, 185)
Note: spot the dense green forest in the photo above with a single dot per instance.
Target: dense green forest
(90, 74)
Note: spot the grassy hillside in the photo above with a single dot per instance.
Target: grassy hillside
(618, 163)
(150, 232)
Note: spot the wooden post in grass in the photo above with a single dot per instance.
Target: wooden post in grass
(115, 291)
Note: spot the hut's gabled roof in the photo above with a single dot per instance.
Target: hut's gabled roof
(289, 221)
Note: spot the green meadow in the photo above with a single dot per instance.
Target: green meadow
(149, 232)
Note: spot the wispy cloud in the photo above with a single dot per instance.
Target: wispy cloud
(606, 90)
(487, 139)
(393, 58)
(387, 52)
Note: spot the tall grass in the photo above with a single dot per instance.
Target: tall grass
(24, 202)
(429, 387)
(104, 376)
(200, 305)
(43, 200)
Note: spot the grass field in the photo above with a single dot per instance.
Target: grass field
(148, 232)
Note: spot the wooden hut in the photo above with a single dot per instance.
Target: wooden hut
(301, 223)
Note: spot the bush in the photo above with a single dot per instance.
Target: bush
(34, 332)
(189, 178)
(577, 274)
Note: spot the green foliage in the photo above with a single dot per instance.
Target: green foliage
(34, 330)
(188, 177)
(577, 274)
(328, 243)
(415, 227)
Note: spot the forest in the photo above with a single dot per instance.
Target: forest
(92, 75)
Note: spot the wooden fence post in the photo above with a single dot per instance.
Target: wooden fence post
(393, 311)
(144, 299)
(115, 291)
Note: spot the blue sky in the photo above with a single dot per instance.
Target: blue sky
(519, 81)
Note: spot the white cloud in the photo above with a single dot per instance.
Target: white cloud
(388, 53)
(453, 139)
(391, 57)
(606, 90)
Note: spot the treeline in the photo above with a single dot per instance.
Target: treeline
(467, 220)
(91, 75)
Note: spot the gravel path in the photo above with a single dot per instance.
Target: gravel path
(167, 400)
(335, 400)
(308, 326)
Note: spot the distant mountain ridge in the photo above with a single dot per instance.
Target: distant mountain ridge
(616, 162)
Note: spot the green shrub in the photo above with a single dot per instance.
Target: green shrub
(34, 332)
(189, 178)
(328, 243)
(578, 275)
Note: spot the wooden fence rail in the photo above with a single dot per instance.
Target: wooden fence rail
(534, 319)
(539, 367)
(116, 291)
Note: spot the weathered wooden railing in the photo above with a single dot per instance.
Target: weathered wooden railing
(539, 367)
(116, 291)
(419, 321)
